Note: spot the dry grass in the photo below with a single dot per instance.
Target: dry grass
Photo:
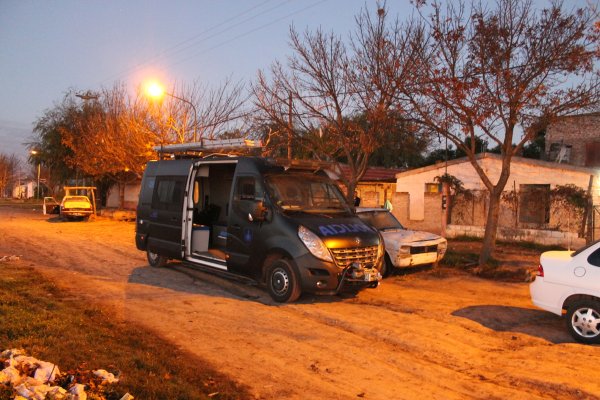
(50, 326)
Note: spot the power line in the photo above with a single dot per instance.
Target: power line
(250, 31)
(197, 39)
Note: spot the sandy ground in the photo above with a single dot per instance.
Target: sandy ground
(429, 334)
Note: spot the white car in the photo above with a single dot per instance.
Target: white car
(403, 247)
(570, 281)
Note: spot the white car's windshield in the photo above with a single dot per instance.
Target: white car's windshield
(305, 192)
(382, 220)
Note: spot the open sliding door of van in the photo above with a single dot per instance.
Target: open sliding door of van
(206, 212)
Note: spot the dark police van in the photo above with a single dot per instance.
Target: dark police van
(285, 226)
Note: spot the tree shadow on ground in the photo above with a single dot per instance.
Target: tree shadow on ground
(538, 323)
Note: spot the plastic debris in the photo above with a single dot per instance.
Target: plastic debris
(78, 392)
(10, 375)
(46, 372)
(10, 258)
(32, 379)
(106, 376)
(56, 393)
(12, 353)
(30, 390)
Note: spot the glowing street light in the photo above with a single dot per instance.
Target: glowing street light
(155, 90)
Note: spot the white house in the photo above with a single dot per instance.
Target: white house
(418, 198)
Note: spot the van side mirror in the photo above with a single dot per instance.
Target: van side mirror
(259, 212)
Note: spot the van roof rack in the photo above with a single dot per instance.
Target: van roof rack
(209, 145)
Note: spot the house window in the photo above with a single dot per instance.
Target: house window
(534, 204)
(433, 188)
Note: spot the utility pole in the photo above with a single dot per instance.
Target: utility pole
(290, 128)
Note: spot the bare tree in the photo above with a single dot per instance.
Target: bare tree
(334, 103)
(9, 168)
(493, 72)
(197, 108)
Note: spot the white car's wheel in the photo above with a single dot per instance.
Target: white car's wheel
(583, 321)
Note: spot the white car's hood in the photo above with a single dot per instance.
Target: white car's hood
(399, 237)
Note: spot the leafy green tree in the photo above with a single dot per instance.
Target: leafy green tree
(48, 131)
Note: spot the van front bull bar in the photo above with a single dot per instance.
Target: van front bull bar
(359, 274)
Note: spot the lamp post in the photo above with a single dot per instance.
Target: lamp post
(35, 152)
(155, 90)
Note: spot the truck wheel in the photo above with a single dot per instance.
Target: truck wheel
(583, 321)
(282, 282)
(156, 260)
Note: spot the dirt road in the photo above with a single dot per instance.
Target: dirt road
(433, 334)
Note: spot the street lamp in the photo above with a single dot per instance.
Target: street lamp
(35, 152)
(155, 90)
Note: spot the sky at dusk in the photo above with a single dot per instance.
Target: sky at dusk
(47, 47)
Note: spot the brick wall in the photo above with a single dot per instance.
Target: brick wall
(433, 212)
(577, 132)
(374, 194)
(545, 237)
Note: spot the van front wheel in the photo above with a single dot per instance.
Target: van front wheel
(156, 260)
(282, 282)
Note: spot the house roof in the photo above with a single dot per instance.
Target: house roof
(588, 114)
(375, 174)
(480, 156)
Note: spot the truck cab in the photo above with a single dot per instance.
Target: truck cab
(285, 226)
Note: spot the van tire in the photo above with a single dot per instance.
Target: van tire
(155, 260)
(282, 281)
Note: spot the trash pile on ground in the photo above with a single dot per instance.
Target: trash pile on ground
(10, 258)
(32, 379)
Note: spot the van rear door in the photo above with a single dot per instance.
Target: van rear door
(164, 236)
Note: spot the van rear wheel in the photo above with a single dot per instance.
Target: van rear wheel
(282, 282)
(155, 260)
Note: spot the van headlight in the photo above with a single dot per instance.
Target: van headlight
(314, 244)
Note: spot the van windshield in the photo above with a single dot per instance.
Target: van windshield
(305, 192)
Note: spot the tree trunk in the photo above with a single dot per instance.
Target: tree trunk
(491, 227)
(121, 195)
